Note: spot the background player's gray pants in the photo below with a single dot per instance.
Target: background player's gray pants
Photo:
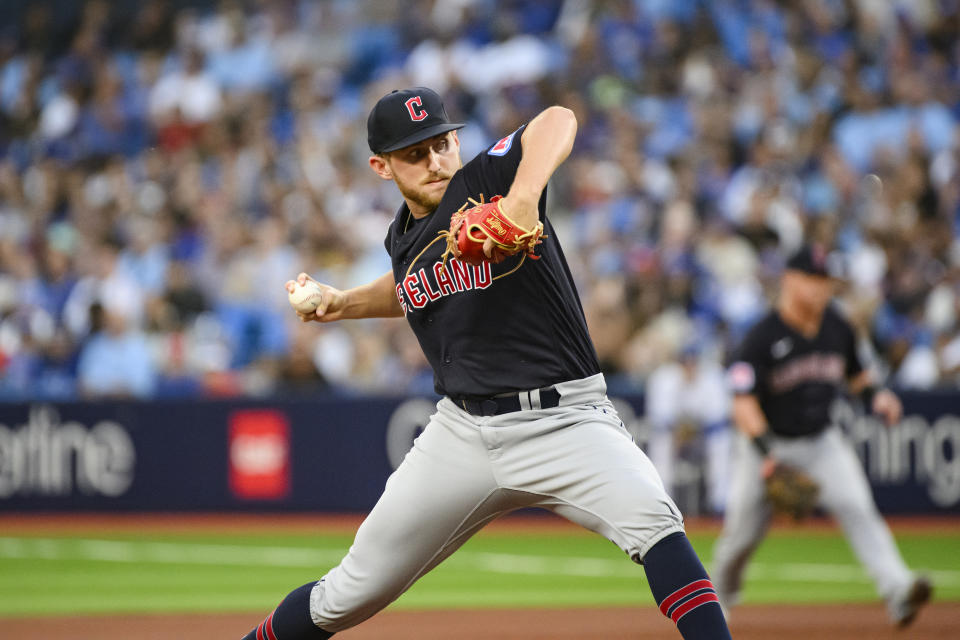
(463, 471)
(844, 491)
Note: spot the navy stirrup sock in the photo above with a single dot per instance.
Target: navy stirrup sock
(290, 620)
(683, 590)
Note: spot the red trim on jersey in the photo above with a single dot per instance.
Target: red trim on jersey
(692, 604)
(683, 592)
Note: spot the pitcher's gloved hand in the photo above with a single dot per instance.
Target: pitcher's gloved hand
(471, 228)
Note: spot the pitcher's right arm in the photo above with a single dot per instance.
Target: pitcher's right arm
(377, 299)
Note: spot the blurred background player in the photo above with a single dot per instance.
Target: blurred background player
(688, 408)
(786, 375)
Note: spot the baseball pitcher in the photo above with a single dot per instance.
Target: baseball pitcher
(524, 420)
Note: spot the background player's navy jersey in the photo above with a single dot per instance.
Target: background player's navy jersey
(483, 329)
(796, 379)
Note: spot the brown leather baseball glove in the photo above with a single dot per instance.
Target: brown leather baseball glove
(791, 492)
(470, 228)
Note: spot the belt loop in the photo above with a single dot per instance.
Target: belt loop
(524, 398)
(535, 399)
(464, 403)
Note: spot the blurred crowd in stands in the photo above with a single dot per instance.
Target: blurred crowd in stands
(166, 166)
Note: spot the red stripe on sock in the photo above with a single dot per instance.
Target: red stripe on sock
(692, 604)
(683, 592)
(260, 632)
(268, 627)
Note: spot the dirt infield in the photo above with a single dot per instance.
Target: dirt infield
(860, 622)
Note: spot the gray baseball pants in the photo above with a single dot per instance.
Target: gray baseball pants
(844, 492)
(464, 471)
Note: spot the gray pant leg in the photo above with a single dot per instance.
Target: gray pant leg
(745, 523)
(845, 493)
(718, 451)
(442, 493)
(581, 463)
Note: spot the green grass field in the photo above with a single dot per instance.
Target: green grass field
(108, 573)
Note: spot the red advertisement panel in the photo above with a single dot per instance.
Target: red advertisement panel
(259, 453)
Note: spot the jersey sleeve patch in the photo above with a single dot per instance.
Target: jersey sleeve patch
(502, 146)
(741, 377)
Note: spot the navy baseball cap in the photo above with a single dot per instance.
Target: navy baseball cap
(405, 117)
(815, 260)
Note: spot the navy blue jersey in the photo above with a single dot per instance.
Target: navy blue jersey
(796, 378)
(492, 328)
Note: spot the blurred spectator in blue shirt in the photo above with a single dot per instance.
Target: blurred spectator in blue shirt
(115, 361)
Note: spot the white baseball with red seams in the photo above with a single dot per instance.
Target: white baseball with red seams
(305, 298)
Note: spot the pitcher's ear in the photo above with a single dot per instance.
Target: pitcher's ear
(381, 167)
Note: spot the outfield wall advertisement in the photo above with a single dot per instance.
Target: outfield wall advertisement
(334, 454)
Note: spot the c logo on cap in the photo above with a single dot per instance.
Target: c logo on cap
(415, 108)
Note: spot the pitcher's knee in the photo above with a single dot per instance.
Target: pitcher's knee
(335, 606)
(640, 540)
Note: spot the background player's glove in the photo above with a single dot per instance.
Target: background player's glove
(470, 228)
(791, 492)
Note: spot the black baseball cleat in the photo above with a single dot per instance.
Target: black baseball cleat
(905, 608)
